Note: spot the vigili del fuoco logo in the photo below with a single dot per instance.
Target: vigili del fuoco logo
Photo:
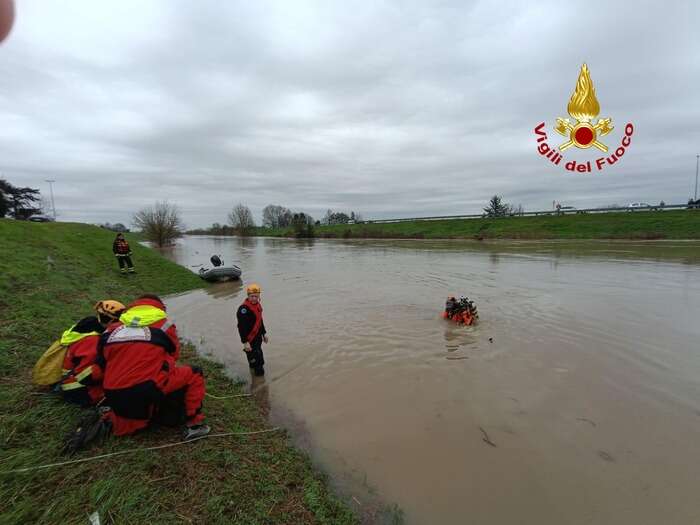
(583, 132)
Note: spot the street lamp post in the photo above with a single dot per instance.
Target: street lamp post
(697, 160)
(53, 205)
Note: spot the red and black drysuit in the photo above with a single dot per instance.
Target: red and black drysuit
(120, 248)
(252, 329)
(81, 382)
(142, 380)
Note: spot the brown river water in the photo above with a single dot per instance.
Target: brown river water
(575, 400)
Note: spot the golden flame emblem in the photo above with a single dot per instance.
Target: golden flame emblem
(583, 108)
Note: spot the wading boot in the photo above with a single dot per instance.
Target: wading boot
(196, 431)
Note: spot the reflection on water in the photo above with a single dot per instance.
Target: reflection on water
(222, 290)
(574, 400)
(457, 340)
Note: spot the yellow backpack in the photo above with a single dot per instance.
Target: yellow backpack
(49, 368)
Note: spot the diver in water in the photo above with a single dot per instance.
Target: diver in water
(462, 311)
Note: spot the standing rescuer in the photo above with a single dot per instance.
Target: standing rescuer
(252, 329)
(142, 381)
(122, 252)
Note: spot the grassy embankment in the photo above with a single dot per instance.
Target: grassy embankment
(240, 479)
(638, 225)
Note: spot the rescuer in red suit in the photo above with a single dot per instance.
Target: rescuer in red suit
(81, 382)
(142, 381)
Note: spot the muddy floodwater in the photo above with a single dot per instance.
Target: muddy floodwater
(575, 400)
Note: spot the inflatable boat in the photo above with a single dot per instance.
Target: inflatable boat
(219, 272)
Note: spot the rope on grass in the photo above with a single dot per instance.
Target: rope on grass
(226, 397)
(132, 450)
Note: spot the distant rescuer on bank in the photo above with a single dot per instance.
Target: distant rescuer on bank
(252, 329)
(122, 252)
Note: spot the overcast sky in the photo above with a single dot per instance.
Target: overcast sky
(393, 109)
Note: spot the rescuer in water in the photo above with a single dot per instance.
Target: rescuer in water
(461, 311)
(251, 328)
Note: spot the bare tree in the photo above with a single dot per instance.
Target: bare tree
(274, 216)
(328, 217)
(303, 225)
(285, 218)
(241, 218)
(160, 223)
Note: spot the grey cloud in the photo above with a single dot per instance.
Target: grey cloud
(393, 109)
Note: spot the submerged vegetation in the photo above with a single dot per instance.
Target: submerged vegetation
(160, 224)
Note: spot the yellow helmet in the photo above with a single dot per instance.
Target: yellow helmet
(253, 288)
(110, 308)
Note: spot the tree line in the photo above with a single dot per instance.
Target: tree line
(274, 216)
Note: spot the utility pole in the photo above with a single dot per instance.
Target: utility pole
(697, 160)
(53, 205)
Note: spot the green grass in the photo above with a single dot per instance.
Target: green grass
(677, 224)
(243, 479)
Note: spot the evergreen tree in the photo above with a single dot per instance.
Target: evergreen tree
(496, 207)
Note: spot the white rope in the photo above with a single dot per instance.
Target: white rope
(226, 397)
(131, 450)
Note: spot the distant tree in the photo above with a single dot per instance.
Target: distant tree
(270, 216)
(160, 223)
(328, 217)
(285, 219)
(338, 218)
(5, 197)
(217, 229)
(310, 232)
(241, 218)
(275, 216)
(118, 227)
(303, 225)
(496, 207)
(18, 202)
